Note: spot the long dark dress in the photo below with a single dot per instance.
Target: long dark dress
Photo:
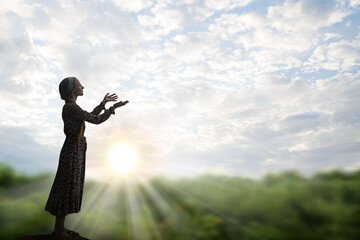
(67, 190)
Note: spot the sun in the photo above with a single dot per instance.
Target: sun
(122, 159)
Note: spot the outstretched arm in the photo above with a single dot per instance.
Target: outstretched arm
(120, 104)
(97, 119)
(108, 98)
(82, 115)
(97, 110)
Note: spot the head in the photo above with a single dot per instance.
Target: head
(70, 88)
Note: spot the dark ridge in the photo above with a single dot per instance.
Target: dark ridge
(50, 237)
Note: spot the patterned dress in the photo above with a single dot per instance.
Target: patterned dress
(67, 190)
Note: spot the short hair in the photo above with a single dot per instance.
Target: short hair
(66, 86)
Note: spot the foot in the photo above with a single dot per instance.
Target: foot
(61, 233)
(65, 232)
(71, 233)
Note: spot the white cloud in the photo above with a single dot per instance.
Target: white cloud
(341, 55)
(226, 4)
(132, 6)
(169, 19)
(174, 16)
(147, 20)
(305, 15)
(228, 25)
(354, 3)
(277, 41)
(328, 36)
(190, 48)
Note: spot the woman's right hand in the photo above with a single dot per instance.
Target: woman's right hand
(120, 104)
(109, 98)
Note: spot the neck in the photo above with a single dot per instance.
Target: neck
(72, 99)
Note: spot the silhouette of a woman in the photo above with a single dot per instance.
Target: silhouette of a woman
(66, 193)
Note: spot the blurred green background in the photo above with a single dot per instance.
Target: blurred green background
(278, 206)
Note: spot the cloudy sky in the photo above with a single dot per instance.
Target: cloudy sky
(237, 87)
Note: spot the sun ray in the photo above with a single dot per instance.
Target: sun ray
(101, 209)
(128, 212)
(92, 196)
(149, 215)
(217, 212)
(160, 203)
(137, 225)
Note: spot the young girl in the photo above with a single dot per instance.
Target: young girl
(67, 190)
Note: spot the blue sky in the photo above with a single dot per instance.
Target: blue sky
(229, 87)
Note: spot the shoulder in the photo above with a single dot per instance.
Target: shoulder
(71, 107)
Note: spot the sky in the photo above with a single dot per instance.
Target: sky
(230, 87)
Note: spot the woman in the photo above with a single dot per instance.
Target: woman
(67, 190)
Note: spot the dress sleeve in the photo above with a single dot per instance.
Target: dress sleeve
(97, 110)
(83, 115)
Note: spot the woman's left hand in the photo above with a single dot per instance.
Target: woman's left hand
(109, 98)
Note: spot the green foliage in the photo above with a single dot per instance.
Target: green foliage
(283, 206)
(8, 176)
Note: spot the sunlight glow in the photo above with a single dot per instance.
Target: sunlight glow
(123, 159)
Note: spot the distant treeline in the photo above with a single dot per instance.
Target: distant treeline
(9, 177)
(285, 206)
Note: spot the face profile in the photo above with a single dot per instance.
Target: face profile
(78, 88)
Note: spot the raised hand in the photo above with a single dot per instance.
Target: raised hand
(109, 98)
(120, 104)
